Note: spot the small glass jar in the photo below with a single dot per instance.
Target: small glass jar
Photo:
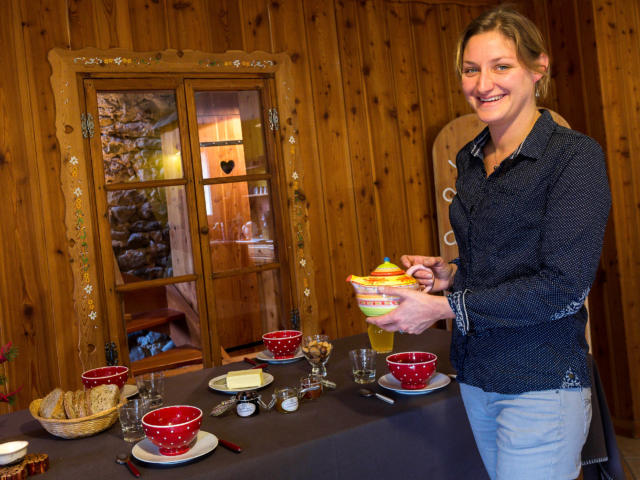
(313, 386)
(247, 404)
(286, 399)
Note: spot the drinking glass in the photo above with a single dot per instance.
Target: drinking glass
(131, 414)
(363, 365)
(381, 340)
(151, 388)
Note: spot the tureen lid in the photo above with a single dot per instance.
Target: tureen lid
(387, 274)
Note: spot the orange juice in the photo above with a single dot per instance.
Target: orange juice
(381, 340)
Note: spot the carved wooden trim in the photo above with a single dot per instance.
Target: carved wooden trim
(68, 67)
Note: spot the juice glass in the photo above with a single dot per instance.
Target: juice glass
(381, 340)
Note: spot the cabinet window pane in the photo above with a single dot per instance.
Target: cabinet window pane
(139, 136)
(150, 233)
(231, 133)
(160, 319)
(247, 306)
(240, 224)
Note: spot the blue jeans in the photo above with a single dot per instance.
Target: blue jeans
(533, 435)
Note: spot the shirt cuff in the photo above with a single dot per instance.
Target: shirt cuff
(456, 302)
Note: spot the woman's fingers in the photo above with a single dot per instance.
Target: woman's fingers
(418, 270)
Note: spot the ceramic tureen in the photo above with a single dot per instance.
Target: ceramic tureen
(386, 274)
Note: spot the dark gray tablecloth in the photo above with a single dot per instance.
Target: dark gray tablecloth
(338, 436)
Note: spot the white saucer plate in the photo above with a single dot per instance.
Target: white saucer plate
(436, 382)
(129, 390)
(267, 356)
(219, 384)
(146, 451)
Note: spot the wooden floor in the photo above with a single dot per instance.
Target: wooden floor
(630, 451)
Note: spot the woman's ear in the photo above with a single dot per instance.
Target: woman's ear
(543, 64)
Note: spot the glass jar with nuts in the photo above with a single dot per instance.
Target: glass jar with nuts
(317, 350)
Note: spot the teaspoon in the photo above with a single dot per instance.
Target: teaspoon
(123, 459)
(365, 392)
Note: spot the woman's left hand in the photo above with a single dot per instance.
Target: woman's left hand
(417, 311)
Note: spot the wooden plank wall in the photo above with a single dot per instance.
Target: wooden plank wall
(374, 85)
(616, 25)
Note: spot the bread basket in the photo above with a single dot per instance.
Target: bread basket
(76, 427)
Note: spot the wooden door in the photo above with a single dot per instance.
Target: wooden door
(240, 211)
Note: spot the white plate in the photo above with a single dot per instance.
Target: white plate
(146, 451)
(219, 384)
(436, 382)
(267, 356)
(129, 390)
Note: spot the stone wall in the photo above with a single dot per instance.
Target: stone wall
(131, 125)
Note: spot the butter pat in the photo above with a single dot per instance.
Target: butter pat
(244, 379)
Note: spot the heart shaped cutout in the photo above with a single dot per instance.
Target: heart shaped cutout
(227, 166)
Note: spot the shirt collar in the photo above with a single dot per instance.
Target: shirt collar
(533, 146)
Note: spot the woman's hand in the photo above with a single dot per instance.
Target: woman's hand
(417, 311)
(433, 273)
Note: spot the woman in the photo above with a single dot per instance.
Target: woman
(529, 217)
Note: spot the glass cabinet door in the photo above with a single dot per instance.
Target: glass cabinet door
(146, 222)
(243, 241)
(190, 219)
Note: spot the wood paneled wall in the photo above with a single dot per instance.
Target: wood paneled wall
(374, 85)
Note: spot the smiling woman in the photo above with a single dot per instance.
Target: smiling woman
(529, 213)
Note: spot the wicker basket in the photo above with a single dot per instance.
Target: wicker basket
(76, 427)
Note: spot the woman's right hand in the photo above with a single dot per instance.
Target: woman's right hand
(433, 273)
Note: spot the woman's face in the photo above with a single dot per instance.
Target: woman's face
(495, 83)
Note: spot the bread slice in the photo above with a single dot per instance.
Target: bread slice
(69, 408)
(103, 397)
(52, 405)
(80, 403)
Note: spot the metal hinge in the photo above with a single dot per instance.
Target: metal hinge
(295, 319)
(274, 120)
(86, 122)
(111, 353)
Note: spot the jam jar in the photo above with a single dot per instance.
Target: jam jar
(312, 386)
(247, 404)
(286, 399)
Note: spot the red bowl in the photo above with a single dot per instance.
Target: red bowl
(282, 343)
(412, 369)
(172, 429)
(105, 375)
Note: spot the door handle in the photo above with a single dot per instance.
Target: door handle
(204, 230)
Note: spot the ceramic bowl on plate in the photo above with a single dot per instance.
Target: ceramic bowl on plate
(282, 343)
(172, 429)
(412, 369)
(11, 452)
(105, 375)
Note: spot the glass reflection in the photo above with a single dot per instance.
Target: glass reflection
(240, 224)
(247, 306)
(150, 233)
(230, 132)
(139, 135)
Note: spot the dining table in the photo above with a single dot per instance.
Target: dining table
(339, 435)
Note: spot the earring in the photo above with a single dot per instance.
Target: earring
(537, 91)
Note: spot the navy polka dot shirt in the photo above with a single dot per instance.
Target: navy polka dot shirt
(529, 237)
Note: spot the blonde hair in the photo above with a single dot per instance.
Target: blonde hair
(519, 29)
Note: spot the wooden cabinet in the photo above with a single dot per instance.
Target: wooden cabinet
(186, 194)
